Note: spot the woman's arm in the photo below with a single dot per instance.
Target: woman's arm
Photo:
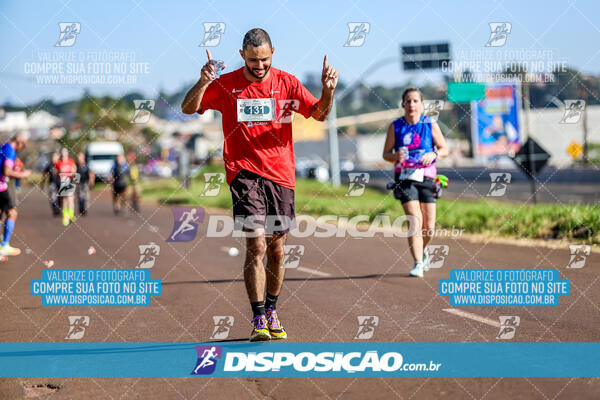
(388, 148)
(439, 142)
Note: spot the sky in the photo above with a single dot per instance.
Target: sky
(165, 37)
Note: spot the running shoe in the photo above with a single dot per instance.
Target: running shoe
(65, 220)
(275, 328)
(426, 260)
(260, 332)
(8, 250)
(417, 270)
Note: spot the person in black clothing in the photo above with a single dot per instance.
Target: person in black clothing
(86, 182)
(118, 178)
(53, 184)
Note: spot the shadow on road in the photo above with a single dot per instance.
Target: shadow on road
(327, 278)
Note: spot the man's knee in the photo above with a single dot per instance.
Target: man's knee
(275, 250)
(257, 247)
(275, 244)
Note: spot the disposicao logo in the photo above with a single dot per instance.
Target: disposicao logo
(351, 362)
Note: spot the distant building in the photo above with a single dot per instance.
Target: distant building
(43, 119)
(39, 123)
(13, 121)
(555, 137)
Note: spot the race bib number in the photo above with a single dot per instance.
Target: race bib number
(412, 174)
(255, 110)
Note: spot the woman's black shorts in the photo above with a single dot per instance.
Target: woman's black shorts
(411, 190)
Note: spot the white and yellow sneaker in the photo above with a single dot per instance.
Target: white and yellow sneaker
(8, 250)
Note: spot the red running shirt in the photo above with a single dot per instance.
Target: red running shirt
(258, 133)
(66, 167)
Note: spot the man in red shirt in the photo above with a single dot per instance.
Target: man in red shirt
(256, 102)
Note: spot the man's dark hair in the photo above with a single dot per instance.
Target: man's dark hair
(256, 37)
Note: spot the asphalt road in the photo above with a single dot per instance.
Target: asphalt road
(339, 279)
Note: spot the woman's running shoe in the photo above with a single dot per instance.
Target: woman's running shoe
(426, 260)
(417, 270)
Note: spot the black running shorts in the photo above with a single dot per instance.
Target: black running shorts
(406, 190)
(261, 203)
(5, 201)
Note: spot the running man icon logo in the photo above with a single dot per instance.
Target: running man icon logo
(212, 184)
(500, 181)
(508, 327)
(68, 33)
(437, 255)
(207, 359)
(142, 112)
(77, 325)
(579, 253)
(432, 108)
(212, 33)
(499, 32)
(573, 111)
(358, 33)
(148, 254)
(286, 109)
(292, 254)
(223, 323)
(358, 183)
(68, 181)
(366, 326)
(185, 226)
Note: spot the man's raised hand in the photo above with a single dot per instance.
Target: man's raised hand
(329, 76)
(208, 70)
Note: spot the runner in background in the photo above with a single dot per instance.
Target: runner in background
(134, 175)
(8, 155)
(53, 180)
(65, 169)
(413, 144)
(19, 167)
(118, 177)
(86, 183)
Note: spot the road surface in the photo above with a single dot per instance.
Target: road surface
(338, 280)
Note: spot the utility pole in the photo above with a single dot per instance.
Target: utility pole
(585, 96)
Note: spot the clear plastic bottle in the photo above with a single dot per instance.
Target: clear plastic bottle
(218, 67)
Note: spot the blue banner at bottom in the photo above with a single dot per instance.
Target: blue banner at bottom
(287, 359)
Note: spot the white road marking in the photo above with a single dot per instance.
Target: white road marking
(312, 271)
(472, 316)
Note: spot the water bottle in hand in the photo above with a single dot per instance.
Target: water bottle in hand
(403, 153)
(217, 66)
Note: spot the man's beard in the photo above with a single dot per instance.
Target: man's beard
(256, 76)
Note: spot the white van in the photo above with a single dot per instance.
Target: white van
(101, 156)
